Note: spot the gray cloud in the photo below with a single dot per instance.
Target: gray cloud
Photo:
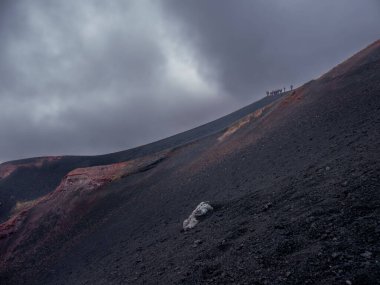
(89, 77)
(255, 45)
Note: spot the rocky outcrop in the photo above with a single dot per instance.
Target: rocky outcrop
(241, 123)
(200, 212)
(91, 178)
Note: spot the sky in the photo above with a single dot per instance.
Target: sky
(92, 76)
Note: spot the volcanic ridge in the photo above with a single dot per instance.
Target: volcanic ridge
(283, 191)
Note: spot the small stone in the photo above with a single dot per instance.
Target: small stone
(327, 168)
(348, 282)
(335, 254)
(288, 273)
(367, 254)
(345, 183)
(197, 242)
(267, 206)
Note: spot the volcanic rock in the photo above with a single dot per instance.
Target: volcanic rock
(199, 213)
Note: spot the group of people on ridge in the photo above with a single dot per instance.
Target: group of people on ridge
(278, 91)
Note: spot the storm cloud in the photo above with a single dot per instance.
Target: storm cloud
(256, 45)
(90, 77)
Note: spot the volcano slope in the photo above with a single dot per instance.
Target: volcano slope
(294, 185)
(28, 179)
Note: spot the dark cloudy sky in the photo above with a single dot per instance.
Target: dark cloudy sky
(94, 76)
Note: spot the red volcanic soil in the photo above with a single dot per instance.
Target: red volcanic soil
(55, 213)
(294, 184)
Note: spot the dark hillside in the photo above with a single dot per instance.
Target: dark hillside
(29, 179)
(294, 186)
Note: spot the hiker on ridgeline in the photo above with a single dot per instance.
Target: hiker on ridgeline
(278, 91)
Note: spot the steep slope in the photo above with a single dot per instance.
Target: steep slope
(294, 186)
(29, 179)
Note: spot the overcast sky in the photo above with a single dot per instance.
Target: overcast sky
(94, 76)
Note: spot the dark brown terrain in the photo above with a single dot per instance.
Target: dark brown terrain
(294, 181)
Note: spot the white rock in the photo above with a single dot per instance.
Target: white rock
(201, 210)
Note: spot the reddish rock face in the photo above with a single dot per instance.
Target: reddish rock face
(241, 123)
(59, 210)
(7, 169)
(91, 178)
